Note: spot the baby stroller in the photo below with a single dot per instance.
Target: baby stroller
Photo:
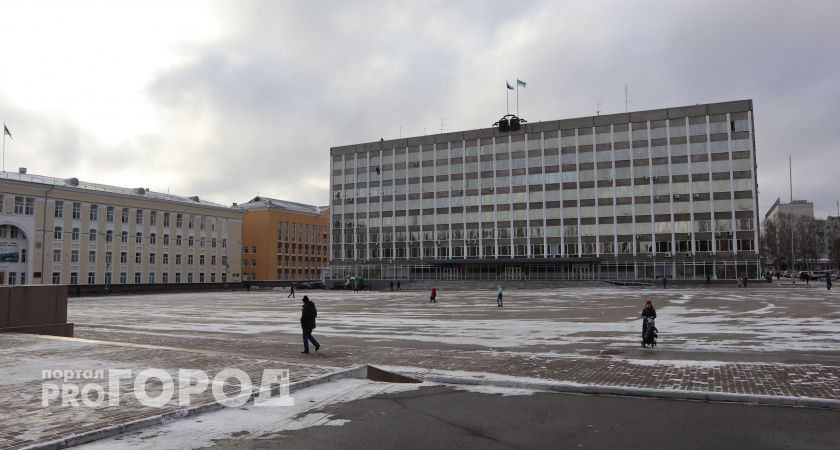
(649, 332)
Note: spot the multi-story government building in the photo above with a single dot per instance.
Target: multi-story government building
(648, 194)
(66, 231)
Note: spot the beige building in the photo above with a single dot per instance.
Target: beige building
(65, 231)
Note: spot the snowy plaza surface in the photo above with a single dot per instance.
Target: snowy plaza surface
(767, 341)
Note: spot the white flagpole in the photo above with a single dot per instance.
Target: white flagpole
(517, 97)
(507, 99)
(4, 146)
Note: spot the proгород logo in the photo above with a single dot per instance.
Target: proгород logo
(96, 388)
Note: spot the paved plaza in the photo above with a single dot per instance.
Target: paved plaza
(765, 342)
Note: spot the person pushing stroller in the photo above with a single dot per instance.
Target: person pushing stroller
(649, 332)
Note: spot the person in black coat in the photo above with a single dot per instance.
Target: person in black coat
(307, 323)
(648, 311)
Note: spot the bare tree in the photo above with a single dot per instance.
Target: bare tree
(834, 251)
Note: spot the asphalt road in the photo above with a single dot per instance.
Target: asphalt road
(441, 417)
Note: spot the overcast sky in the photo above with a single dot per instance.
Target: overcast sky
(228, 100)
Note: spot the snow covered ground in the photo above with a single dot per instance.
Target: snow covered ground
(562, 320)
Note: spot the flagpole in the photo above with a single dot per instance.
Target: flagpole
(507, 101)
(4, 146)
(517, 97)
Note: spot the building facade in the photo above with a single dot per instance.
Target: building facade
(649, 194)
(64, 231)
(284, 240)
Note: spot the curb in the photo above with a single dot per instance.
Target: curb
(774, 400)
(159, 419)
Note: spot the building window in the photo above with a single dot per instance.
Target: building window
(153, 218)
(29, 208)
(92, 235)
(178, 240)
(77, 210)
(59, 209)
(56, 278)
(94, 213)
(192, 222)
(189, 277)
(201, 242)
(136, 277)
(153, 239)
(56, 256)
(124, 237)
(108, 278)
(138, 239)
(138, 217)
(75, 234)
(212, 260)
(165, 258)
(165, 278)
(213, 277)
(152, 278)
(109, 214)
(123, 278)
(179, 221)
(213, 243)
(108, 258)
(92, 257)
(74, 278)
(19, 201)
(190, 260)
(138, 258)
(178, 260)
(124, 215)
(201, 277)
(151, 258)
(165, 239)
(91, 278)
(123, 257)
(191, 241)
(177, 277)
(201, 260)
(109, 235)
(203, 222)
(57, 233)
(166, 219)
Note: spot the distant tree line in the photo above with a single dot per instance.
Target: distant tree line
(793, 242)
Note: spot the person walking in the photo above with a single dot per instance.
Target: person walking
(664, 282)
(398, 285)
(828, 281)
(291, 291)
(391, 285)
(499, 297)
(307, 323)
(433, 297)
(647, 313)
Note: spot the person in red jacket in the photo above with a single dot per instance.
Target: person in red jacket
(433, 296)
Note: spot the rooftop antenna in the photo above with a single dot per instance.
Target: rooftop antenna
(626, 97)
(442, 119)
(598, 110)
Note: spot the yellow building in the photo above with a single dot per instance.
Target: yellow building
(283, 240)
(66, 231)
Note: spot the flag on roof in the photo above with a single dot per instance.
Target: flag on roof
(509, 86)
(9, 133)
(520, 82)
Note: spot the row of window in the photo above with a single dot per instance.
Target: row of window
(311, 263)
(300, 232)
(123, 278)
(539, 250)
(139, 215)
(138, 258)
(75, 233)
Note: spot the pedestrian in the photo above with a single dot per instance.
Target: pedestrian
(828, 281)
(433, 296)
(664, 282)
(499, 297)
(291, 291)
(398, 285)
(307, 323)
(647, 312)
(391, 285)
(708, 278)
(744, 276)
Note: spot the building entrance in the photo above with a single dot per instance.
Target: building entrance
(581, 272)
(513, 273)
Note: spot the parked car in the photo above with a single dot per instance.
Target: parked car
(310, 285)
